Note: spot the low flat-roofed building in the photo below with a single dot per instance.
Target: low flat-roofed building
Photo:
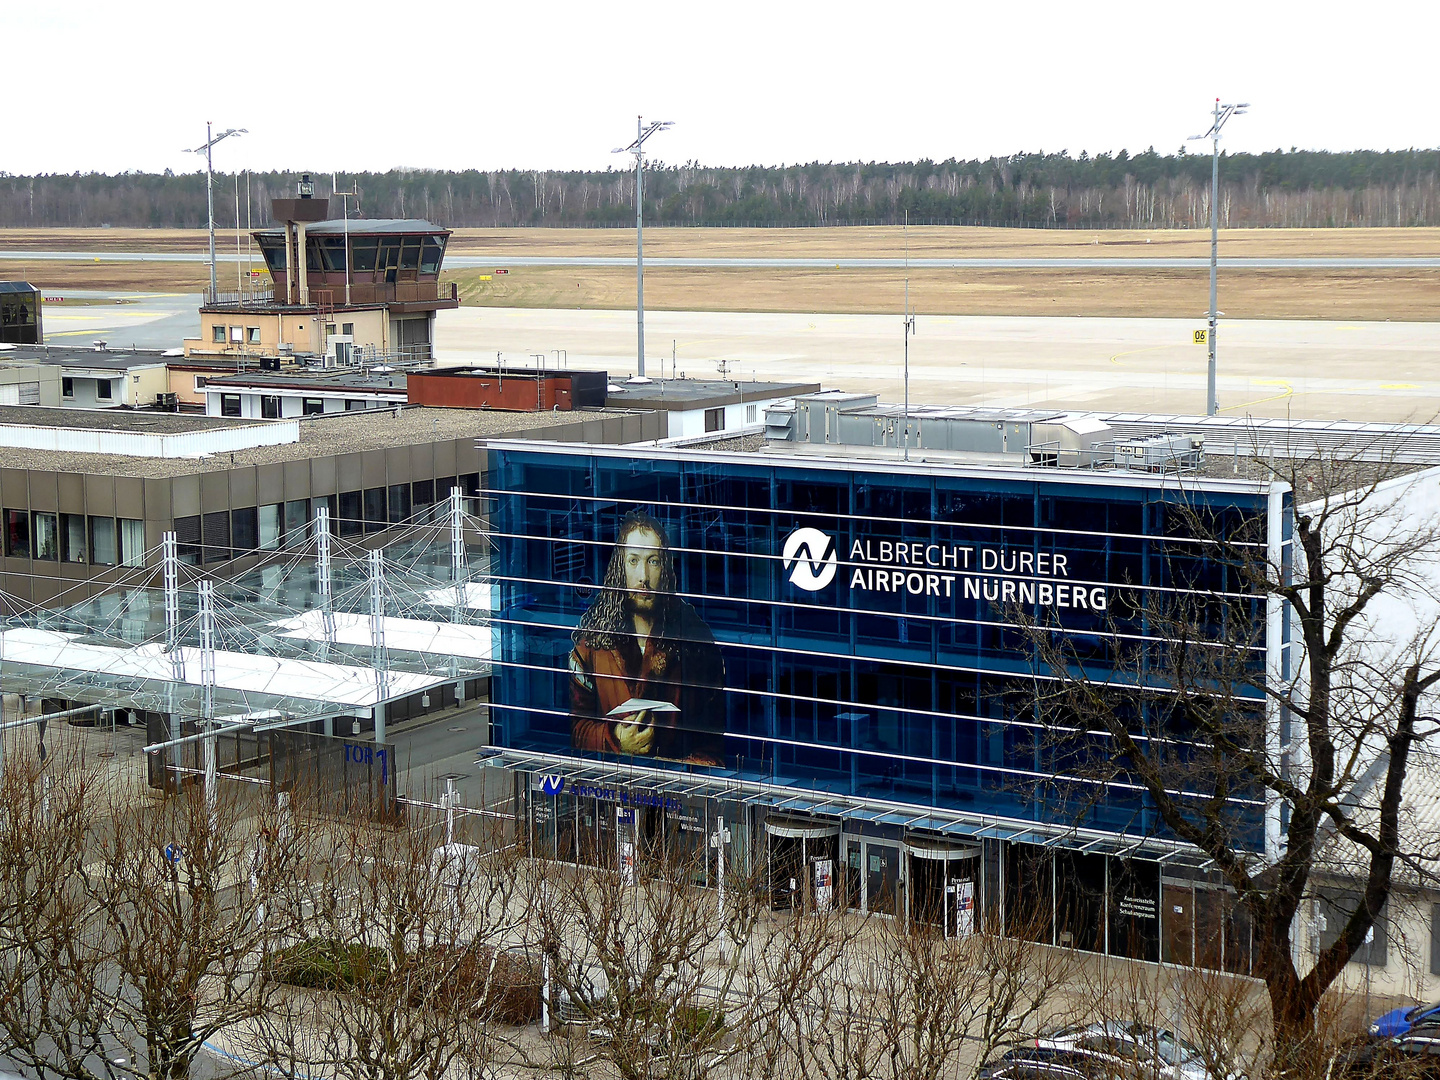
(700, 407)
(76, 521)
(278, 395)
(489, 386)
(96, 377)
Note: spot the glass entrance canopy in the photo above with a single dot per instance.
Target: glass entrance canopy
(280, 652)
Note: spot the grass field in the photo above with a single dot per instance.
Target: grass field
(1412, 295)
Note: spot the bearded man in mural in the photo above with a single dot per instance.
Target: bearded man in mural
(646, 677)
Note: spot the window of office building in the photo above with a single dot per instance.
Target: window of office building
(374, 509)
(269, 407)
(311, 406)
(67, 387)
(217, 335)
(244, 529)
(215, 534)
(422, 494)
(271, 524)
(399, 502)
(188, 539)
(252, 335)
(229, 404)
(348, 329)
(714, 419)
(351, 514)
(330, 329)
(200, 381)
(17, 534)
(103, 549)
(237, 335)
(297, 522)
(132, 542)
(104, 389)
(47, 536)
(73, 547)
(354, 405)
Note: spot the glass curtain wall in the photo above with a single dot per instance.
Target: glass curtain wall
(843, 631)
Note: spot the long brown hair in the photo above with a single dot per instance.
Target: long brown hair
(607, 623)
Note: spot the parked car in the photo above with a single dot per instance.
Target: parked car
(1414, 1055)
(1145, 1051)
(1399, 1021)
(1039, 1063)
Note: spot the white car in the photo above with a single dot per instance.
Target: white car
(1136, 1049)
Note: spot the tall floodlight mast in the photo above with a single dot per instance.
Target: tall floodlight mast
(638, 149)
(205, 148)
(1222, 114)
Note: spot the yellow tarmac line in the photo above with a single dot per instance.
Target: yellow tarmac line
(1133, 352)
(1399, 386)
(1289, 391)
(81, 333)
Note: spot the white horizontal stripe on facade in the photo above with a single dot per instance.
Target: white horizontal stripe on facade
(914, 760)
(1032, 725)
(912, 522)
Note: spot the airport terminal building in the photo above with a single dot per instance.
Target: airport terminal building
(819, 653)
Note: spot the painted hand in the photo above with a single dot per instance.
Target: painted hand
(635, 735)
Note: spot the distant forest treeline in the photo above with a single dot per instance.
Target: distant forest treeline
(1149, 190)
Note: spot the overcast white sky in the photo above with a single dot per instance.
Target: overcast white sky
(361, 85)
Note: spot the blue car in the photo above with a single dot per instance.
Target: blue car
(1399, 1021)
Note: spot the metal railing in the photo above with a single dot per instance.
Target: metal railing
(239, 299)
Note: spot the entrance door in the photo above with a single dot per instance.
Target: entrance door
(1177, 922)
(882, 878)
(787, 872)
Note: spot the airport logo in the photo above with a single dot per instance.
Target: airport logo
(809, 556)
(551, 784)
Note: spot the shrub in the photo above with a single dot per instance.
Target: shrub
(330, 964)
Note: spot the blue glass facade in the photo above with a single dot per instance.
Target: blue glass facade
(862, 621)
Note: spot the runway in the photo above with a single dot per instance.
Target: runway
(471, 262)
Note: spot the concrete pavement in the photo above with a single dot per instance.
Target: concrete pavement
(1330, 370)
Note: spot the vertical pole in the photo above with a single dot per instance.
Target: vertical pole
(378, 658)
(639, 250)
(450, 796)
(1211, 405)
(170, 573)
(544, 965)
(207, 691)
(248, 256)
(239, 288)
(457, 550)
(720, 879)
(324, 588)
(210, 203)
(908, 325)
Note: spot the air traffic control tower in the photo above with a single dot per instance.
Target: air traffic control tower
(341, 291)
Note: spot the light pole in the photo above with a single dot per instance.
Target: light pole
(1222, 114)
(205, 148)
(345, 197)
(638, 149)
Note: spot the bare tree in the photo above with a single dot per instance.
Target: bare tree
(185, 946)
(54, 1005)
(395, 969)
(1198, 714)
(635, 957)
